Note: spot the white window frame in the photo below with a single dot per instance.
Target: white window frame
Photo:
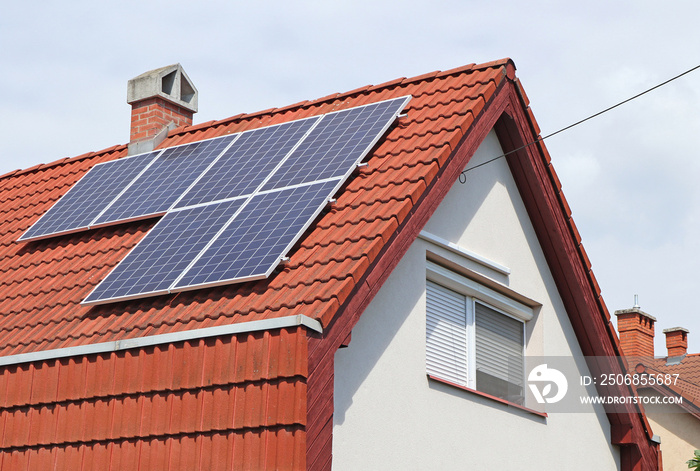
(476, 292)
(461, 284)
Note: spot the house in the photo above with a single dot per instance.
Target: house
(672, 391)
(352, 353)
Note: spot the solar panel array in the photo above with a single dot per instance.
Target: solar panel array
(234, 206)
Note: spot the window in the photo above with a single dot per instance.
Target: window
(475, 337)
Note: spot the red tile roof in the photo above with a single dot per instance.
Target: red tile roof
(200, 400)
(332, 273)
(45, 281)
(686, 384)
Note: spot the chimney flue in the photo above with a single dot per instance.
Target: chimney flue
(161, 100)
(676, 341)
(636, 329)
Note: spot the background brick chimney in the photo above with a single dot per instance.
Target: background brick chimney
(161, 100)
(636, 329)
(676, 341)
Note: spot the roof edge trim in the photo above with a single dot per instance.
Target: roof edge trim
(173, 337)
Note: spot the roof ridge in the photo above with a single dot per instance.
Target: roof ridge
(63, 160)
(327, 99)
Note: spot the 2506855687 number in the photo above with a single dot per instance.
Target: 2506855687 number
(646, 379)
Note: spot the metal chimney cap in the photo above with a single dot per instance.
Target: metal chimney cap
(170, 83)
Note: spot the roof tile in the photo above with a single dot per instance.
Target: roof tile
(456, 70)
(687, 384)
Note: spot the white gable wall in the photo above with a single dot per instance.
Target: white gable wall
(389, 415)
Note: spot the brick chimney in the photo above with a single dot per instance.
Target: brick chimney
(676, 341)
(161, 100)
(636, 329)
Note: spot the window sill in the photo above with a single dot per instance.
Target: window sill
(489, 396)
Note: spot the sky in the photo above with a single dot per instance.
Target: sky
(628, 175)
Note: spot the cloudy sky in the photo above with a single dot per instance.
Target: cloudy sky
(629, 175)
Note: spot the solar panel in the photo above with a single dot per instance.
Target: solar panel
(244, 165)
(155, 191)
(253, 244)
(88, 197)
(339, 142)
(160, 257)
(233, 206)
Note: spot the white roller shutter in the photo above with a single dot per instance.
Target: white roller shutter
(446, 337)
(499, 350)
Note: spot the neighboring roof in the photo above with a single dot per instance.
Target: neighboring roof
(685, 385)
(334, 271)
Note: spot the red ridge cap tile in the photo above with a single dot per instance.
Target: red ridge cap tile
(200, 126)
(557, 184)
(389, 84)
(324, 312)
(456, 70)
(233, 118)
(565, 206)
(62, 161)
(293, 106)
(178, 130)
(533, 122)
(421, 78)
(327, 98)
(257, 114)
(574, 231)
(545, 153)
(494, 64)
(594, 283)
(10, 173)
(584, 255)
(521, 92)
(32, 168)
(356, 91)
(114, 148)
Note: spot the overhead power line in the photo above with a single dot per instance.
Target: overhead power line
(462, 176)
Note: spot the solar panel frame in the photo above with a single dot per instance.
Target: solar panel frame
(314, 151)
(152, 266)
(93, 196)
(239, 161)
(156, 190)
(239, 235)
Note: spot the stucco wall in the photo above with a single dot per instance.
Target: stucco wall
(679, 432)
(389, 415)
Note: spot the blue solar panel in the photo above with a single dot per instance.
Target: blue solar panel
(233, 206)
(88, 197)
(245, 164)
(339, 142)
(156, 262)
(155, 191)
(259, 236)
